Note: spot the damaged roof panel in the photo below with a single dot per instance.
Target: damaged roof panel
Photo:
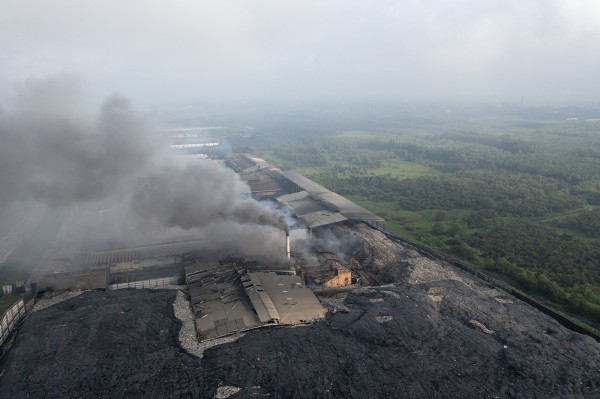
(322, 218)
(319, 206)
(304, 182)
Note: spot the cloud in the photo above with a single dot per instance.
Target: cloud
(345, 50)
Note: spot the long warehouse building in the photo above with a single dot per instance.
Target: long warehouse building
(306, 199)
(318, 206)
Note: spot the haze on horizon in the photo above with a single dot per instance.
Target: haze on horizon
(531, 51)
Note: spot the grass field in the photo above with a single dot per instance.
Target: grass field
(403, 169)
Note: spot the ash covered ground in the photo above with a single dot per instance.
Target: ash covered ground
(432, 331)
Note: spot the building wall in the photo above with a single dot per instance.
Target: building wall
(342, 279)
(93, 279)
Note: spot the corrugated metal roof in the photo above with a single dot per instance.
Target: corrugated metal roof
(293, 197)
(322, 218)
(318, 206)
(144, 252)
(304, 206)
(261, 186)
(294, 302)
(304, 182)
(346, 207)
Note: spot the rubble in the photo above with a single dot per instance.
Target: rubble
(187, 334)
(188, 337)
(482, 327)
(335, 303)
(50, 298)
(225, 392)
(384, 319)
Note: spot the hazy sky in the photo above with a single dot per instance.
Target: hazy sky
(541, 51)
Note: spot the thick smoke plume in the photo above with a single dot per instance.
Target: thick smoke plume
(198, 194)
(54, 153)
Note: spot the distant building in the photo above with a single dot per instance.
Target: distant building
(262, 185)
(242, 163)
(318, 206)
(310, 202)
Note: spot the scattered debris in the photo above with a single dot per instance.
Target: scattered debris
(50, 298)
(435, 294)
(226, 391)
(390, 293)
(481, 326)
(187, 335)
(335, 303)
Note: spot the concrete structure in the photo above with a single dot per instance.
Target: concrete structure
(342, 277)
(323, 269)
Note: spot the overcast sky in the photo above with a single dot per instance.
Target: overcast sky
(538, 51)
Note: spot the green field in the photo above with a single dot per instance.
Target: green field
(518, 199)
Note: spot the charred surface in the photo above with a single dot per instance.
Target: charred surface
(434, 332)
(102, 344)
(399, 342)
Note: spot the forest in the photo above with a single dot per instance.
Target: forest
(515, 195)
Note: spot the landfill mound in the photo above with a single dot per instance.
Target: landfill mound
(119, 344)
(436, 339)
(435, 331)
(429, 340)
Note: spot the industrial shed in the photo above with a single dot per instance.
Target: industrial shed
(242, 163)
(262, 185)
(306, 199)
(135, 257)
(318, 206)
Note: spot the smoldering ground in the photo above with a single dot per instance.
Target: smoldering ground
(110, 172)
